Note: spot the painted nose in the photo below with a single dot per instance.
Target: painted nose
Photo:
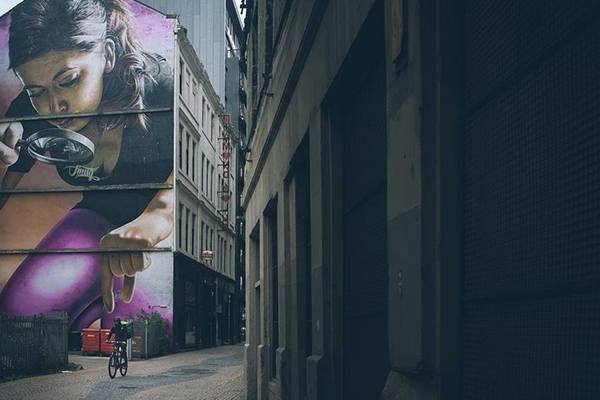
(58, 106)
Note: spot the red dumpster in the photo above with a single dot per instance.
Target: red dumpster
(90, 340)
(105, 348)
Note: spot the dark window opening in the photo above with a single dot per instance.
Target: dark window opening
(180, 76)
(275, 291)
(179, 226)
(269, 35)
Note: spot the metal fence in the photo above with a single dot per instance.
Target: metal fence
(33, 344)
(150, 339)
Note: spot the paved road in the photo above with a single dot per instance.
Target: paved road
(202, 375)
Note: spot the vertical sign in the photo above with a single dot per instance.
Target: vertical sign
(225, 164)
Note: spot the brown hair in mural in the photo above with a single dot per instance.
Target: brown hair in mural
(85, 56)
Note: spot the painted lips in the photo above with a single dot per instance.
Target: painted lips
(64, 123)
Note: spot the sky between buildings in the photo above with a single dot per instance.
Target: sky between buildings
(6, 5)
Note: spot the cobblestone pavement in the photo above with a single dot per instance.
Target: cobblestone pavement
(208, 374)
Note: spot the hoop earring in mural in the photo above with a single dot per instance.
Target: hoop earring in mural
(64, 147)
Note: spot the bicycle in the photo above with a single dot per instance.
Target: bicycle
(117, 360)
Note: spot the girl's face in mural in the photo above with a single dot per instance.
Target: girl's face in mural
(67, 82)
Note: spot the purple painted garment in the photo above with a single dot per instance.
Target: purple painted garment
(68, 282)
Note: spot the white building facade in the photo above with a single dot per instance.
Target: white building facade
(205, 209)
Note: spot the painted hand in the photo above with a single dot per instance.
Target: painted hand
(146, 231)
(10, 133)
(135, 235)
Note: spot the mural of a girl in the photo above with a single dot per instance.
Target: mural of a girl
(85, 56)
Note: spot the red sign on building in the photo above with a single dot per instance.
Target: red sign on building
(225, 158)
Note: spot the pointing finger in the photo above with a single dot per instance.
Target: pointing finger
(126, 264)
(107, 282)
(115, 265)
(140, 260)
(13, 134)
(8, 155)
(128, 288)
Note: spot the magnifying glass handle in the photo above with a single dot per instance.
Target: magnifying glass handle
(21, 143)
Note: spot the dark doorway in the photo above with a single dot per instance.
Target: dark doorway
(365, 269)
(191, 313)
(301, 164)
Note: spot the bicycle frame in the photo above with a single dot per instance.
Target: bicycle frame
(114, 361)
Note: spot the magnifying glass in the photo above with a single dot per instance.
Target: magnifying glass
(59, 147)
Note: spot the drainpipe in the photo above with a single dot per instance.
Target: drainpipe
(146, 340)
(129, 351)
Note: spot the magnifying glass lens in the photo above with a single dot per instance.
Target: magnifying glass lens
(60, 146)
(61, 149)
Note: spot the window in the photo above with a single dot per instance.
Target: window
(206, 238)
(223, 258)
(274, 291)
(193, 245)
(187, 154)
(207, 178)
(231, 261)
(194, 161)
(254, 63)
(212, 240)
(194, 102)
(219, 202)
(227, 257)
(207, 181)
(218, 252)
(202, 175)
(179, 231)
(180, 147)
(203, 118)
(269, 34)
(202, 248)
(255, 261)
(187, 85)
(212, 127)
(187, 229)
(212, 181)
(207, 120)
(181, 76)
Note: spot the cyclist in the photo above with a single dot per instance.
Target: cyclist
(120, 333)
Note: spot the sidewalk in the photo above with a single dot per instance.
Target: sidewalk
(88, 362)
(210, 374)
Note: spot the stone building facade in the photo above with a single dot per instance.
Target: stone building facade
(205, 291)
(334, 200)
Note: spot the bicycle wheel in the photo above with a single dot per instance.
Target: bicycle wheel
(113, 365)
(123, 369)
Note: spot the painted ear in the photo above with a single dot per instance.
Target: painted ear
(109, 55)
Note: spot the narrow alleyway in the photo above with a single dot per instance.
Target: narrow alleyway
(207, 374)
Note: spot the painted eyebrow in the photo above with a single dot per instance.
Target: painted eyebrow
(62, 71)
